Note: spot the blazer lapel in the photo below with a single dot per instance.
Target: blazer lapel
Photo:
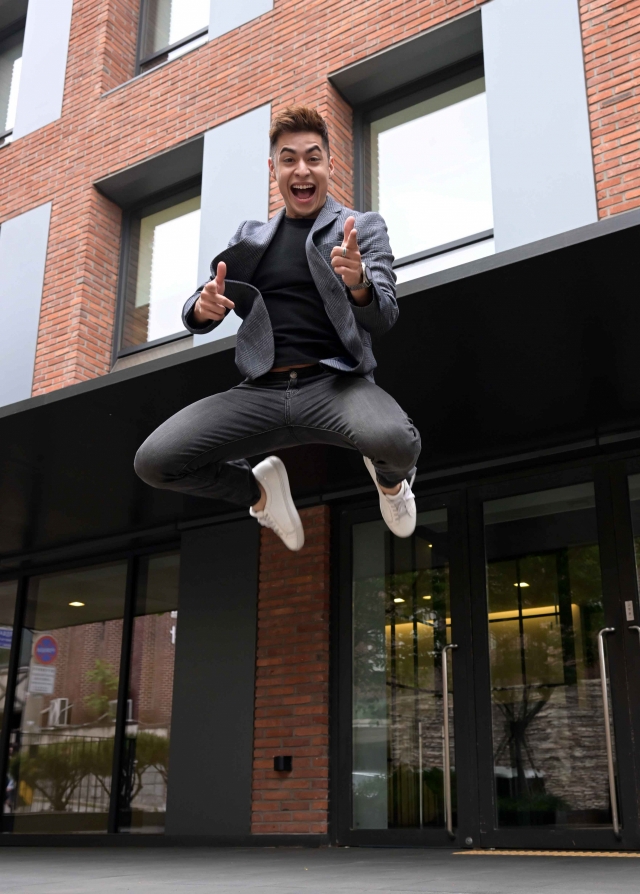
(331, 287)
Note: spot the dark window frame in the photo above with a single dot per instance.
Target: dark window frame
(397, 100)
(5, 34)
(143, 63)
(156, 202)
(132, 557)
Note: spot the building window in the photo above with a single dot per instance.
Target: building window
(10, 67)
(169, 28)
(72, 725)
(427, 172)
(161, 270)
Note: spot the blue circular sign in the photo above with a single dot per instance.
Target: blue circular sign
(46, 650)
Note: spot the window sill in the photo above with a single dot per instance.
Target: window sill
(145, 74)
(135, 358)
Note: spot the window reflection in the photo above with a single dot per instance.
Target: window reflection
(544, 612)
(401, 623)
(61, 751)
(10, 69)
(169, 22)
(8, 594)
(146, 746)
(429, 172)
(163, 270)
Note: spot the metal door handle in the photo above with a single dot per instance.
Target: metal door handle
(607, 728)
(448, 813)
(635, 627)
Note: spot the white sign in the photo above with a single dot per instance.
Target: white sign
(42, 680)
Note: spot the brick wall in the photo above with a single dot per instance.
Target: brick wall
(101, 132)
(611, 39)
(292, 682)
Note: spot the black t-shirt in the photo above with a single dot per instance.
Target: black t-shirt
(302, 331)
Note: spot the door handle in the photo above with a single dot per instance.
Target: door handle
(607, 728)
(635, 627)
(448, 813)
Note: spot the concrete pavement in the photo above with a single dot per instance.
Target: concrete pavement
(297, 871)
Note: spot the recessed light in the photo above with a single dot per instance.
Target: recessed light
(76, 604)
(522, 583)
(430, 545)
(426, 597)
(398, 599)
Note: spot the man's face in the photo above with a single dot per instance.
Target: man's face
(302, 171)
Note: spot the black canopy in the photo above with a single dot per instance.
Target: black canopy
(524, 351)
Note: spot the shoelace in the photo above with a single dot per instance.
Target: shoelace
(267, 521)
(399, 506)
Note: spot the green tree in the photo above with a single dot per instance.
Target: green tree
(105, 680)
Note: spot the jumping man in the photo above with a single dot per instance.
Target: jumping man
(311, 286)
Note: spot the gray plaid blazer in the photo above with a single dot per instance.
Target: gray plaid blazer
(354, 325)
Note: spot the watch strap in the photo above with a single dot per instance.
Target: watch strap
(365, 283)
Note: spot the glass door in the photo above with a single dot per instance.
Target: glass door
(552, 698)
(406, 777)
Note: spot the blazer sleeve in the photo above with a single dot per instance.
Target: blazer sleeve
(379, 315)
(187, 316)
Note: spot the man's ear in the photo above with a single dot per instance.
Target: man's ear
(272, 168)
(331, 166)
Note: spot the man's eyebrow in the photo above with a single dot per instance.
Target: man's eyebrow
(314, 148)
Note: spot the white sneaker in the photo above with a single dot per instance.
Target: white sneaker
(398, 510)
(279, 513)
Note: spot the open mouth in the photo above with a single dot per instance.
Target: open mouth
(303, 192)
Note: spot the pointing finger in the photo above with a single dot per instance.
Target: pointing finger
(349, 224)
(221, 272)
(352, 241)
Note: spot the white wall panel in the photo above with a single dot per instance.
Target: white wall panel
(235, 187)
(23, 253)
(226, 15)
(44, 65)
(541, 160)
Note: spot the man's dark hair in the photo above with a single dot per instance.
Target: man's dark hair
(298, 119)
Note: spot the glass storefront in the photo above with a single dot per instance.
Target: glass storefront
(64, 723)
(64, 717)
(146, 743)
(545, 608)
(401, 624)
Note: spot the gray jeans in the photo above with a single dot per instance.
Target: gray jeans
(202, 450)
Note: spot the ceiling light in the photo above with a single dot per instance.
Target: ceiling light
(76, 604)
(426, 597)
(430, 545)
(522, 583)
(398, 599)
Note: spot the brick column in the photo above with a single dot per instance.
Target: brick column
(292, 682)
(611, 41)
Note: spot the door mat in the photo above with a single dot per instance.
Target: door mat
(513, 853)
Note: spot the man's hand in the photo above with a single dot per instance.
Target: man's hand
(347, 261)
(212, 305)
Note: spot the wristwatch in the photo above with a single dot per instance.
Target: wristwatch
(366, 280)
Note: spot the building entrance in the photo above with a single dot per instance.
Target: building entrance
(494, 666)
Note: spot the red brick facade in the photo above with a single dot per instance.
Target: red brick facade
(101, 131)
(292, 682)
(611, 40)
